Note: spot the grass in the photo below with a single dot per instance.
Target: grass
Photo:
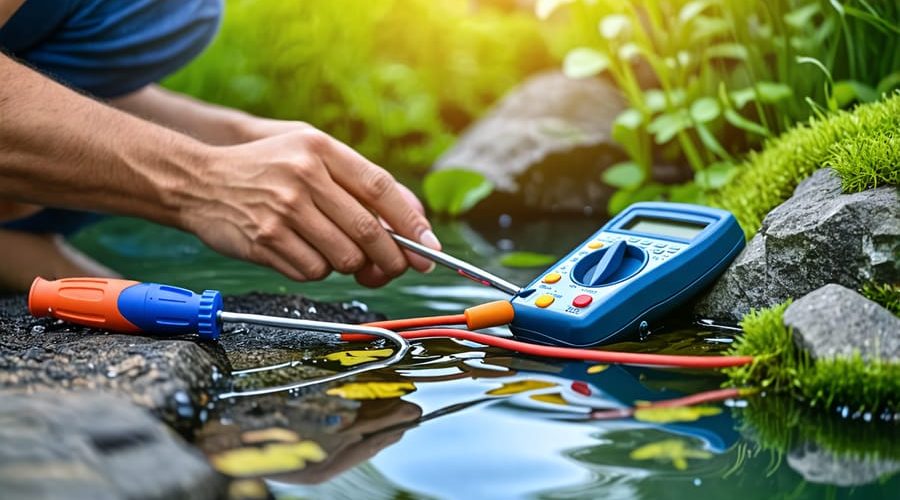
(852, 142)
(886, 294)
(781, 367)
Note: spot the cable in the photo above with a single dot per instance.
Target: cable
(693, 399)
(628, 358)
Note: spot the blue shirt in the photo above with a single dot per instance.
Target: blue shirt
(106, 48)
(109, 48)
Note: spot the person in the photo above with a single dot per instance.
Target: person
(85, 130)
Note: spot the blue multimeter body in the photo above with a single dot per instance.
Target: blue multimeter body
(639, 266)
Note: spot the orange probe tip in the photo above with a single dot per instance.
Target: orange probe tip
(495, 313)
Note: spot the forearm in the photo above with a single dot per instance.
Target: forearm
(206, 122)
(59, 148)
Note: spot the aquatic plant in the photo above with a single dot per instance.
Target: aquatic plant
(860, 386)
(707, 80)
(852, 142)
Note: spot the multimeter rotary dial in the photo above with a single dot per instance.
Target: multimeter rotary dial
(609, 265)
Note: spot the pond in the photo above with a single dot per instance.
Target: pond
(457, 420)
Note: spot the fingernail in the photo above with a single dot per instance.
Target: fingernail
(431, 267)
(428, 239)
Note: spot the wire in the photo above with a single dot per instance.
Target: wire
(406, 324)
(628, 358)
(693, 399)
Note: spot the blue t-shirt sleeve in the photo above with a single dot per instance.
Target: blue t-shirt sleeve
(109, 48)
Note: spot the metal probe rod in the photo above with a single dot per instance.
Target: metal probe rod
(462, 267)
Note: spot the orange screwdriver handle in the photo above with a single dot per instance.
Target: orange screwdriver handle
(86, 301)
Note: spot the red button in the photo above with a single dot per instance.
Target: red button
(582, 301)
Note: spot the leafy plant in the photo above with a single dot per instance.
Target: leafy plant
(706, 80)
(885, 294)
(454, 191)
(394, 79)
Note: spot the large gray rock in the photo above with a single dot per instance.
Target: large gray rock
(817, 465)
(834, 321)
(544, 145)
(96, 446)
(816, 237)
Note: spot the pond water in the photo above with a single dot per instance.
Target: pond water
(483, 423)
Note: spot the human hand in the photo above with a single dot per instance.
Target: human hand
(306, 204)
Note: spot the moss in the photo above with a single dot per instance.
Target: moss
(861, 145)
(781, 367)
(885, 294)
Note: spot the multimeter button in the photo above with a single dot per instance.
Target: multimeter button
(552, 278)
(657, 250)
(643, 243)
(582, 300)
(660, 245)
(543, 300)
(633, 240)
(595, 245)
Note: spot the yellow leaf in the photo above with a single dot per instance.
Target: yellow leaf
(666, 414)
(554, 398)
(271, 434)
(269, 459)
(519, 386)
(372, 390)
(352, 358)
(596, 369)
(673, 450)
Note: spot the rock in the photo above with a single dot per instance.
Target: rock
(544, 145)
(820, 466)
(173, 378)
(818, 236)
(834, 321)
(91, 445)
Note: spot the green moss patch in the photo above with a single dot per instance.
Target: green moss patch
(862, 146)
(781, 367)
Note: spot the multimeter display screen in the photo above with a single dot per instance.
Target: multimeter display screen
(662, 227)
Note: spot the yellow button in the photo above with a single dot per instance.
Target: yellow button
(595, 245)
(543, 300)
(552, 278)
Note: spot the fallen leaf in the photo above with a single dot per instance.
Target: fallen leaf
(269, 459)
(277, 434)
(519, 386)
(353, 358)
(597, 368)
(674, 450)
(554, 398)
(666, 414)
(372, 390)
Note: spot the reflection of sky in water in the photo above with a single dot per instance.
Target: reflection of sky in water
(504, 447)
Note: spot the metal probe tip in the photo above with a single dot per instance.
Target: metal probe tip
(462, 267)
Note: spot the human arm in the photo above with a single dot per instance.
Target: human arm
(299, 202)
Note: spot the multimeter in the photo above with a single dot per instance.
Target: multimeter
(642, 264)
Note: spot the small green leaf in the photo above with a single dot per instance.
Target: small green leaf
(584, 62)
(715, 175)
(615, 26)
(705, 109)
(626, 131)
(801, 17)
(888, 83)
(771, 92)
(624, 175)
(710, 141)
(676, 451)
(623, 198)
(727, 51)
(526, 260)
(455, 191)
(817, 63)
(688, 192)
(655, 99)
(742, 123)
(665, 126)
(846, 92)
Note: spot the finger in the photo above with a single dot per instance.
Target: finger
(330, 241)
(361, 226)
(416, 261)
(372, 277)
(377, 189)
(295, 258)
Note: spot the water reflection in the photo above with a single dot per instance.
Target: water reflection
(481, 423)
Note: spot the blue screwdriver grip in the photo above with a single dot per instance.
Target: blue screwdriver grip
(170, 310)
